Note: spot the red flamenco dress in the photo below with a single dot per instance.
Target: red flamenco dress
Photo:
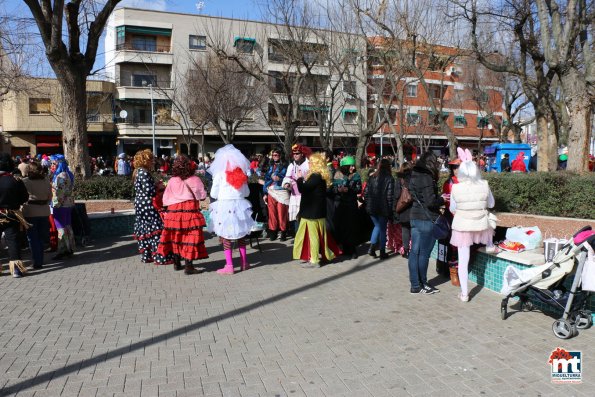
(183, 222)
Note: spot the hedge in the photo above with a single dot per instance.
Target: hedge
(539, 193)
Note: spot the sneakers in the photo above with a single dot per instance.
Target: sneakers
(428, 289)
(415, 290)
(464, 298)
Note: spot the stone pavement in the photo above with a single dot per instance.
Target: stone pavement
(107, 325)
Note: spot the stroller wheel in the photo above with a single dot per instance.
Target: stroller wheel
(564, 329)
(582, 320)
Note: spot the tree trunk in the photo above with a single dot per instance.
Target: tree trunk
(516, 131)
(74, 122)
(362, 142)
(544, 153)
(288, 141)
(579, 111)
(452, 146)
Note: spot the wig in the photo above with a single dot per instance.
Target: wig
(61, 166)
(183, 167)
(318, 166)
(468, 170)
(144, 159)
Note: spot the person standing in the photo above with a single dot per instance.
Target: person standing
(147, 222)
(312, 238)
(404, 216)
(13, 194)
(123, 165)
(347, 185)
(469, 201)
(231, 215)
(182, 236)
(276, 197)
(505, 163)
(62, 204)
(37, 211)
(423, 187)
(518, 164)
(299, 163)
(379, 197)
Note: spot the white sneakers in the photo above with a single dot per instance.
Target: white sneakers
(463, 298)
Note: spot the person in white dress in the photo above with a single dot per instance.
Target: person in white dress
(299, 164)
(231, 214)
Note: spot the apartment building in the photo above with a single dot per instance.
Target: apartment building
(30, 119)
(465, 95)
(148, 53)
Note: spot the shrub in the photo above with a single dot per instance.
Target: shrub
(104, 188)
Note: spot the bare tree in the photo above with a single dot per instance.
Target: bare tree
(65, 29)
(566, 33)
(221, 93)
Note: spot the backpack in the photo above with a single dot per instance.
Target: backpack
(405, 198)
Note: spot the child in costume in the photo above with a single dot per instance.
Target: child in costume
(230, 218)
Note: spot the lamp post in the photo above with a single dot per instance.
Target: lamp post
(153, 121)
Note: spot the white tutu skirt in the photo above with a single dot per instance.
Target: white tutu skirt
(230, 219)
(467, 239)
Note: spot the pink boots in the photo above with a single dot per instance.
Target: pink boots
(228, 268)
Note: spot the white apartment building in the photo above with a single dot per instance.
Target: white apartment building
(148, 52)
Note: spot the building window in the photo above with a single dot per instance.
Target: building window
(437, 91)
(412, 90)
(460, 122)
(144, 80)
(482, 122)
(120, 36)
(144, 43)
(349, 116)
(350, 88)
(244, 45)
(413, 119)
(197, 42)
(40, 105)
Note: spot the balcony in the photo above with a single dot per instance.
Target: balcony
(145, 52)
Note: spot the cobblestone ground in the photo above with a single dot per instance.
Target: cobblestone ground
(104, 324)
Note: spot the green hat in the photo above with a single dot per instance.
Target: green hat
(563, 157)
(347, 160)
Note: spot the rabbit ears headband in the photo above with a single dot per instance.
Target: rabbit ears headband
(464, 155)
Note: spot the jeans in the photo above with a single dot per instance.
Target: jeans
(37, 234)
(379, 231)
(422, 242)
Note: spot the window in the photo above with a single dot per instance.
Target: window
(460, 122)
(413, 119)
(120, 36)
(349, 116)
(350, 88)
(197, 42)
(144, 80)
(40, 105)
(144, 43)
(437, 91)
(412, 90)
(244, 45)
(482, 122)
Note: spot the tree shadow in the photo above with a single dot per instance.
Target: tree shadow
(79, 365)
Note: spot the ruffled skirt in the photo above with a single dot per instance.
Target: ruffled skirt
(467, 239)
(230, 219)
(182, 231)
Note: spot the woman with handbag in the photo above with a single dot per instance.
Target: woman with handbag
(469, 201)
(231, 214)
(182, 234)
(425, 209)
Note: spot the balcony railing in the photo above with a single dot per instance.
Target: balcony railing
(145, 47)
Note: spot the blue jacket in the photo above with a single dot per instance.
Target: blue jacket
(275, 169)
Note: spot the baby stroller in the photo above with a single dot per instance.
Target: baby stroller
(545, 284)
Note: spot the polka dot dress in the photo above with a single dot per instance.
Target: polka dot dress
(148, 224)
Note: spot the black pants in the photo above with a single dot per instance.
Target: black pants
(11, 235)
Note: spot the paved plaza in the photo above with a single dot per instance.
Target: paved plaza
(106, 325)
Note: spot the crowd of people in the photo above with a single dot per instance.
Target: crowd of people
(36, 197)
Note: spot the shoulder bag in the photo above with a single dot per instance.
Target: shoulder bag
(405, 200)
(441, 229)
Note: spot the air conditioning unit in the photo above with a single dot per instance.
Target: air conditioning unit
(165, 144)
(453, 71)
(374, 97)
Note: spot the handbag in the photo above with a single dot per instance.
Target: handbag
(405, 200)
(441, 228)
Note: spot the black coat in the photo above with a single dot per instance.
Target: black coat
(313, 203)
(13, 192)
(404, 216)
(423, 186)
(379, 196)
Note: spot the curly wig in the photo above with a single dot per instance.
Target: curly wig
(183, 167)
(144, 159)
(318, 166)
